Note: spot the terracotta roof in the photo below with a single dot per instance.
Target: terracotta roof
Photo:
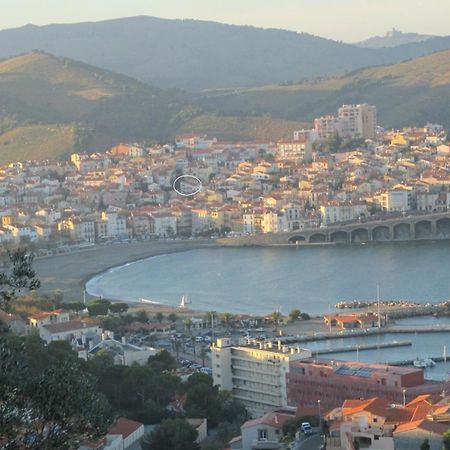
(45, 314)
(273, 419)
(125, 427)
(424, 425)
(71, 325)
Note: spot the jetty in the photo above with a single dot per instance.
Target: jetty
(356, 348)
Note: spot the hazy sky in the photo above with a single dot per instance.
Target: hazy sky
(347, 20)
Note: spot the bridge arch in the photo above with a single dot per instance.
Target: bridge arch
(402, 231)
(317, 238)
(443, 227)
(339, 236)
(296, 239)
(381, 233)
(360, 235)
(423, 229)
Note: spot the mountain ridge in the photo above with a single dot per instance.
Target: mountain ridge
(195, 55)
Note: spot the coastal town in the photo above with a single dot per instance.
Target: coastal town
(345, 168)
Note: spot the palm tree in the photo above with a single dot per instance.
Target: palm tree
(177, 346)
(203, 355)
(188, 325)
(227, 319)
(276, 318)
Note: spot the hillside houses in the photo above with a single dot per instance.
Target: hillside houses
(246, 187)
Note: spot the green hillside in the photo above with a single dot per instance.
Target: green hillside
(36, 142)
(39, 88)
(409, 93)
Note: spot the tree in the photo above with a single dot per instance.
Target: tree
(176, 434)
(172, 317)
(276, 318)
(294, 315)
(446, 440)
(159, 317)
(75, 306)
(425, 445)
(47, 401)
(188, 325)
(228, 319)
(162, 361)
(177, 347)
(98, 307)
(119, 307)
(305, 316)
(18, 277)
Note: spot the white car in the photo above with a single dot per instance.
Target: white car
(306, 428)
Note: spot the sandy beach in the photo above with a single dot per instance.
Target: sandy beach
(69, 272)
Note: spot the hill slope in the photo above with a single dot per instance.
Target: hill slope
(409, 93)
(41, 88)
(192, 54)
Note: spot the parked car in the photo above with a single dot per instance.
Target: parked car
(306, 428)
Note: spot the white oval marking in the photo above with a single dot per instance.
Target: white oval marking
(190, 193)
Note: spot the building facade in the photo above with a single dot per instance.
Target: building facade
(254, 373)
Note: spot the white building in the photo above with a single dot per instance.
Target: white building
(358, 121)
(333, 212)
(165, 224)
(255, 374)
(394, 200)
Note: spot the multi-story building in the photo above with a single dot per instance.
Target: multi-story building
(297, 150)
(394, 200)
(327, 126)
(332, 382)
(254, 373)
(333, 211)
(352, 121)
(358, 121)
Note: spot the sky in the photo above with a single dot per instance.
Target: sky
(344, 20)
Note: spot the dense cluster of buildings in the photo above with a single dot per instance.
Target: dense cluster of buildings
(250, 187)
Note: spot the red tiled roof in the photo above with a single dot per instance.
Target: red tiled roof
(125, 427)
(424, 425)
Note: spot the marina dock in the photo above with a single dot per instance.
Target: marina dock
(354, 348)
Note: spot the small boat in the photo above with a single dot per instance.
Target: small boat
(420, 363)
(423, 363)
(184, 302)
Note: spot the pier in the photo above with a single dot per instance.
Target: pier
(355, 348)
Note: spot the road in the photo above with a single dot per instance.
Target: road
(308, 443)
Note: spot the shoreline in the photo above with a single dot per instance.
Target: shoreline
(70, 272)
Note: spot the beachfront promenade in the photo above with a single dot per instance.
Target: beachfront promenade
(413, 227)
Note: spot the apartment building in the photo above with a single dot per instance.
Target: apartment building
(352, 121)
(394, 200)
(254, 372)
(334, 211)
(358, 121)
(332, 382)
(297, 150)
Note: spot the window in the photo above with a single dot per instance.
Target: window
(262, 434)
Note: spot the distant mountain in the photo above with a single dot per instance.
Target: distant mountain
(193, 55)
(393, 38)
(409, 93)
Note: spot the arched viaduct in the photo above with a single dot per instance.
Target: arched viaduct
(408, 228)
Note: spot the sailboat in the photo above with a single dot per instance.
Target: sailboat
(184, 302)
